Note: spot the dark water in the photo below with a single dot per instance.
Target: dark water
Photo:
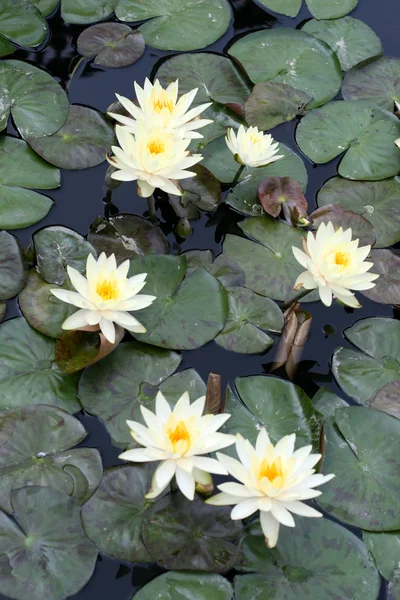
(81, 199)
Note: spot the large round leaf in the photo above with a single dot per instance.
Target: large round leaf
(35, 450)
(112, 44)
(185, 535)
(178, 24)
(351, 39)
(6, 47)
(46, 7)
(328, 9)
(37, 103)
(188, 311)
(82, 142)
(45, 553)
(362, 374)
(28, 372)
(292, 57)
(363, 130)
(376, 80)
(86, 11)
(317, 559)
(22, 22)
(388, 399)
(13, 272)
(385, 548)
(387, 286)
(199, 586)
(291, 8)
(377, 201)
(113, 516)
(326, 403)
(361, 228)
(365, 457)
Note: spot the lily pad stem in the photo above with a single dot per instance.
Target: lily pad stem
(294, 299)
(238, 174)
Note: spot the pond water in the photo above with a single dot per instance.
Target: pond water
(81, 198)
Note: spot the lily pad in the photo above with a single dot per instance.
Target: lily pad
(56, 247)
(385, 548)
(112, 44)
(82, 12)
(222, 117)
(188, 311)
(46, 7)
(3, 310)
(223, 268)
(377, 201)
(271, 104)
(291, 57)
(6, 47)
(113, 517)
(326, 403)
(388, 399)
(45, 552)
(202, 191)
(202, 586)
(81, 143)
(249, 316)
(375, 80)
(283, 194)
(28, 373)
(178, 25)
(326, 9)
(291, 8)
(387, 288)
(38, 104)
(13, 273)
(351, 39)
(185, 535)
(366, 490)
(22, 22)
(343, 217)
(363, 130)
(317, 559)
(184, 381)
(35, 450)
(362, 374)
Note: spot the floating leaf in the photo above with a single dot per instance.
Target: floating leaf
(291, 57)
(35, 450)
(343, 217)
(364, 131)
(81, 143)
(28, 373)
(13, 273)
(388, 399)
(46, 7)
(291, 8)
(112, 44)
(376, 201)
(248, 317)
(38, 104)
(45, 552)
(22, 22)
(387, 287)
(326, 9)
(222, 117)
(6, 47)
(202, 586)
(365, 457)
(271, 104)
(375, 80)
(185, 535)
(185, 381)
(203, 191)
(385, 548)
(3, 309)
(351, 39)
(113, 517)
(326, 403)
(223, 268)
(316, 559)
(362, 374)
(86, 11)
(278, 194)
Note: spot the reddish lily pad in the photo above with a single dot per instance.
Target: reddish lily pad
(387, 287)
(345, 218)
(112, 44)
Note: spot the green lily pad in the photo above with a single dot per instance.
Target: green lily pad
(112, 44)
(326, 9)
(387, 287)
(385, 548)
(28, 372)
(317, 559)
(388, 399)
(366, 490)
(343, 217)
(82, 12)
(249, 316)
(56, 247)
(81, 143)
(351, 39)
(362, 374)
(271, 104)
(22, 22)
(184, 381)
(178, 24)
(113, 517)
(223, 268)
(202, 192)
(45, 552)
(290, 8)
(38, 104)
(13, 273)
(35, 450)
(326, 403)
(6, 47)
(46, 7)
(268, 262)
(291, 57)
(188, 311)
(375, 80)
(377, 201)
(202, 586)
(222, 117)
(3, 310)
(185, 535)
(362, 130)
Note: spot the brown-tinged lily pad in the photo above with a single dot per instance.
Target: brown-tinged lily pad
(13, 272)
(388, 399)
(3, 310)
(278, 194)
(343, 217)
(387, 286)
(375, 80)
(272, 103)
(112, 44)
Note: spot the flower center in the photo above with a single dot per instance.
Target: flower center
(255, 139)
(161, 103)
(179, 433)
(156, 146)
(342, 259)
(107, 290)
(271, 470)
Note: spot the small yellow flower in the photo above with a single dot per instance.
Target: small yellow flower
(251, 147)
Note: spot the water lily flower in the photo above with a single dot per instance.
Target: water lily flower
(251, 147)
(154, 157)
(273, 480)
(105, 296)
(335, 265)
(179, 438)
(160, 107)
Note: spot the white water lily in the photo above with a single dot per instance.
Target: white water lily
(273, 480)
(179, 438)
(160, 107)
(335, 265)
(155, 158)
(105, 296)
(251, 147)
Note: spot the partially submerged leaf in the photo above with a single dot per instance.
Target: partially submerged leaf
(343, 217)
(387, 286)
(13, 272)
(278, 194)
(388, 399)
(112, 44)
(376, 80)
(272, 103)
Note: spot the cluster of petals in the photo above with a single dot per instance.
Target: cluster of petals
(335, 264)
(251, 147)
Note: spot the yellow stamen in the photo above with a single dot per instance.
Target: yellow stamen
(255, 139)
(342, 259)
(156, 147)
(271, 470)
(179, 433)
(163, 102)
(107, 290)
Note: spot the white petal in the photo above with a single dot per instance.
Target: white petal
(262, 442)
(163, 409)
(223, 500)
(282, 515)
(78, 319)
(78, 281)
(237, 489)
(244, 509)
(165, 473)
(234, 467)
(210, 465)
(137, 455)
(108, 329)
(270, 528)
(186, 483)
(298, 508)
(72, 298)
(325, 293)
